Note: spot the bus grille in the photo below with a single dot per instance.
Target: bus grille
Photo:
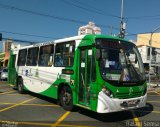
(128, 95)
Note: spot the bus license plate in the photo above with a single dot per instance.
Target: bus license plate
(132, 103)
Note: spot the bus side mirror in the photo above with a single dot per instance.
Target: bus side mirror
(98, 54)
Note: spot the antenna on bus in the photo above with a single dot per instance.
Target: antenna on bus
(123, 24)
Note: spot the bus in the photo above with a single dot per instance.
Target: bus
(96, 72)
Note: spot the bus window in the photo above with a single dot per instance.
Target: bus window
(22, 57)
(64, 55)
(32, 56)
(46, 55)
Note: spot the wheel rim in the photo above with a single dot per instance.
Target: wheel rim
(66, 96)
(20, 86)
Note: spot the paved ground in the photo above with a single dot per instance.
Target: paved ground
(30, 110)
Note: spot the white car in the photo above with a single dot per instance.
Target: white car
(4, 74)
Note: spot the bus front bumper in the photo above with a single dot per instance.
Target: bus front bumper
(107, 104)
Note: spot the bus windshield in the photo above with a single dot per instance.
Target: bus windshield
(119, 61)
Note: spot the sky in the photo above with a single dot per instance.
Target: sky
(45, 20)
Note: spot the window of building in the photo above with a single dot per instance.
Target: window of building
(32, 56)
(22, 57)
(64, 55)
(46, 55)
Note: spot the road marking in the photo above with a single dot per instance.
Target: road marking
(17, 94)
(7, 92)
(61, 119)
(17, 104)
(41, 105)
(148, 111)
(4, 103)
(153, 95)
(41, 124)
(154, 101)
(136, 120)
(34, 123)
(65, 125)
(150, 91)
(45, 105)
(157, 93)
(156, 112)
(26, 123)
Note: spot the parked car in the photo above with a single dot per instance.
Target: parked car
(4, 74)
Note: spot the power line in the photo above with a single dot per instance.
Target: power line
(49, 16)
(91, 9)
(22, 41)
(27, 34)
(135, 34)
(40, 14)
(142, 17)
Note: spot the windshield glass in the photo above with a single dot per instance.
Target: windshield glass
(5, 70)
(119, 61)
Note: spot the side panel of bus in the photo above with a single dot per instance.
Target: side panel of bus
(12, 74)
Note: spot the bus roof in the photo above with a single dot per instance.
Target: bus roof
(80, 37)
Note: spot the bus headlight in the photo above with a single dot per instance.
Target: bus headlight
(107, 92)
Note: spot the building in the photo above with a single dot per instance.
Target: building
(4, 56)
(90, 28)
(144, 49)
(7, 45)
(145, 53)
(143, 39)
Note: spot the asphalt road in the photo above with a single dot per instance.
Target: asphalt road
(31, 110)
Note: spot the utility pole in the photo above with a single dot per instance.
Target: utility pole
(0, 36)
(111, 29)
(123, 24)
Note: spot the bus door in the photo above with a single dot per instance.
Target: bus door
(12, 70)
(85, 76)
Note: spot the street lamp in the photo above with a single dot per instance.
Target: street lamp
(150, 58)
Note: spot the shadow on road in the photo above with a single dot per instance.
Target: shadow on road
(107, 117)
(118, 116)
(144, 111)
(51, 100)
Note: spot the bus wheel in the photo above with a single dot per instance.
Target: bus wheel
(66, 99)
(20, 85)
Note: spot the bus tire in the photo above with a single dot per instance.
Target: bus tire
(20, 86)
(66, 98)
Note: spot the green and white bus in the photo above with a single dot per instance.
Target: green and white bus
(97, 72)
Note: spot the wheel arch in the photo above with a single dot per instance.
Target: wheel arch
(72, 90)
(18, 77)
(62, 85)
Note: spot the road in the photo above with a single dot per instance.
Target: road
(31, 110)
